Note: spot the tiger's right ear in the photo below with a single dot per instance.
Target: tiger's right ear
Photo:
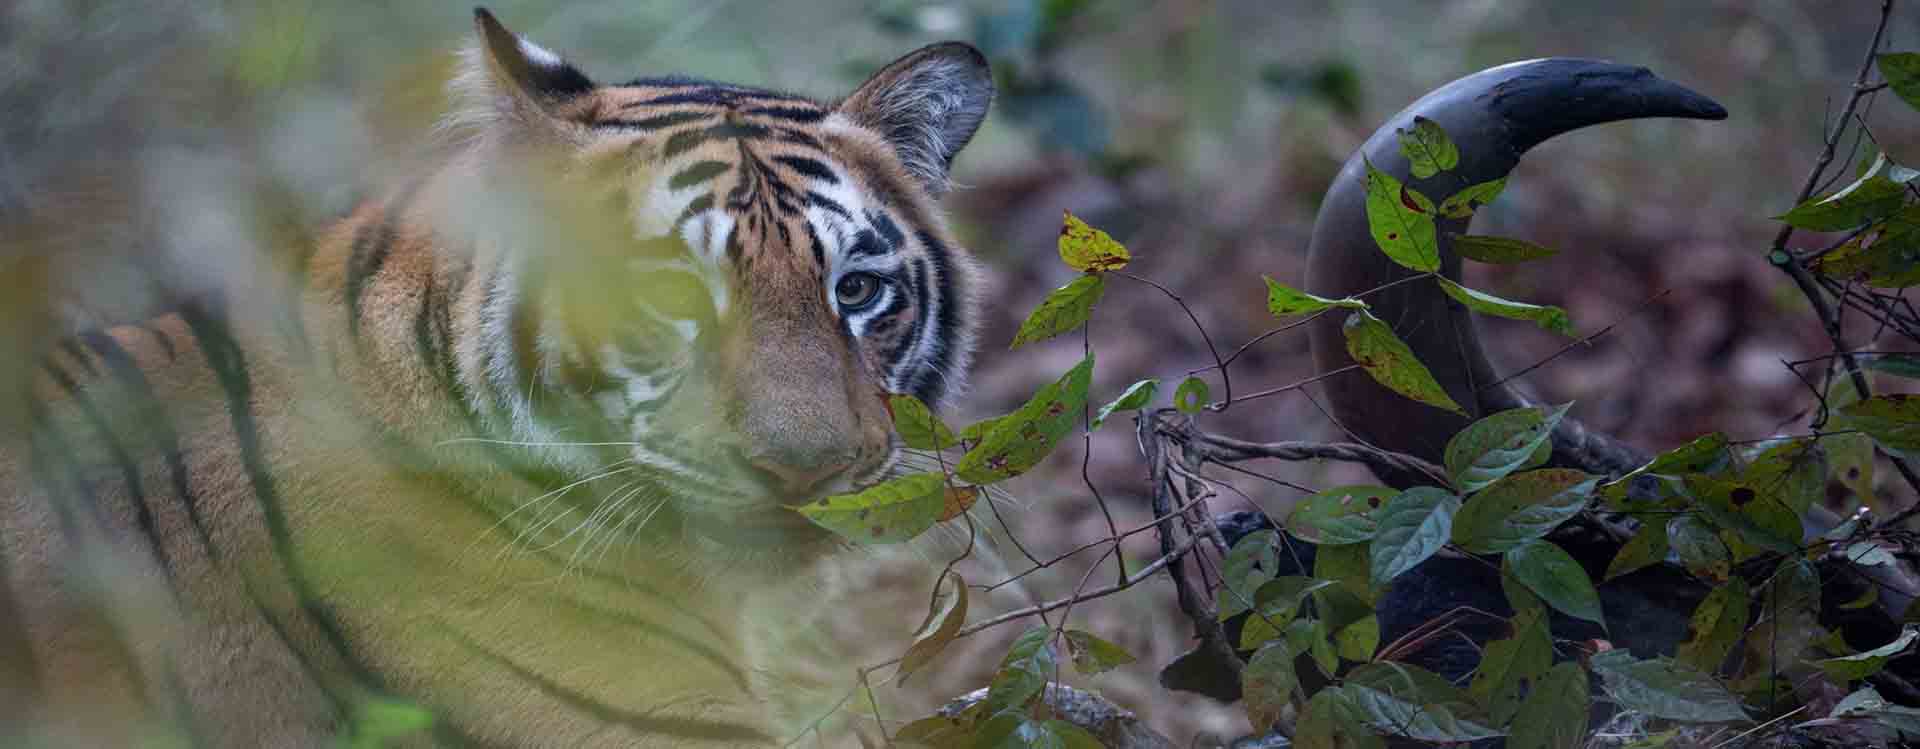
(507, 79)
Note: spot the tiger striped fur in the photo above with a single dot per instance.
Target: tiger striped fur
(514, 443)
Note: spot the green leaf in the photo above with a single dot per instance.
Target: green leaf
(1666, 689)
(1279, 600)
(1551, 573)
(1500, 444)
(890, 512)
(1348, 565)
(1864, 664)
(1413, 683)
(918, 428)
(1647, 547)
(1705, 454)
(1893, 421)
(1283, 301)
(1462, 204)
(1902, 71)
(1393, 715)
(1267, 683)
(1249, 565)
(1552, 319)
(1508, 666)
(1134, 398)
(1497, 250)
(1413, 526)
(1191, 396)
(381, 721)
(1428, 149)
(1520, 508)
(1331, 721)
(1359, 639)
(1309, 635)
(1020, 440)
(1089, 250)
(1873, 196)
(1063, 311)
(1718, 623)
(1885, 255)
(1554, 715)
(940, 628)
(1387, 359)
(1401, 220)
(1341, 515)
(971, 436)
(1093, 656)
(1014, 729)
(1024, 672)
(1700, 549)
(1898, 365)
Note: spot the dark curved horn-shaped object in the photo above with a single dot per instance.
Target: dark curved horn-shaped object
(1494, 116)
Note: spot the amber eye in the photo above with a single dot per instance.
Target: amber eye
(856, 290)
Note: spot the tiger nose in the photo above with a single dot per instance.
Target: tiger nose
(796, 481)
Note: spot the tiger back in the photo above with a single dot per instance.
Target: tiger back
(507, 456)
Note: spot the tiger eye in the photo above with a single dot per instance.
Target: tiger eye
(856, 290)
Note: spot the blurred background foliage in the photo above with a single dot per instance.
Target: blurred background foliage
(162, 144)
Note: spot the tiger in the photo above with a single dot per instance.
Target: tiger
(508, 455)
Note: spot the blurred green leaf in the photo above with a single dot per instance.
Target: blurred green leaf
(1554, 715)
(1462, 204)
(1267, 683)
(1428, 149)
(1873, 196)
(1134, 398)
(938, 631)
(1718, 622)
(1063, 311)
(1520, 508)
(1898, 365)
(1551, 573)
(1249, 565)
(1867, 663)
(1341, 515)
(1020, 440)
(1093, 656)
(1335, 83)
(1498, 250)
(1508, 666)
(1902, 71)
(1387, 359)
(1401, 220)
(1552, 319)
(1893, 421)
(1399, 716)
(1024, 672)
(1647, 547)
(1499, 444)
(1283, 301)
(1191, 396)
(1089, 250)
(1665, 689)
(1413, 526)
(918, 428)
(1885, 255)
(890, 512)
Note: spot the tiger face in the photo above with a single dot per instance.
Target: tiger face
(741, 277)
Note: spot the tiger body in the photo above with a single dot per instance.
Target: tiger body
(388, 477)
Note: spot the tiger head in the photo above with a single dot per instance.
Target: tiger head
(721, 284)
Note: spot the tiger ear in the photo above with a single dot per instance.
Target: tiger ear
(927, 105)
(507, 78)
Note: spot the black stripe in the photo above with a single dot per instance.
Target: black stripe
(699, 205)
(123, 460)
(830, 204)
(866, 244)
(803, 115)
(641, 723)
(372, 243)
(152, 413)
(819, 248)
(917, 279)
(931, 390)
(656, 122)
(888, 229)
(810, 167)
(80, 357)
(698, 173)
(229, 364)
(791, 135)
